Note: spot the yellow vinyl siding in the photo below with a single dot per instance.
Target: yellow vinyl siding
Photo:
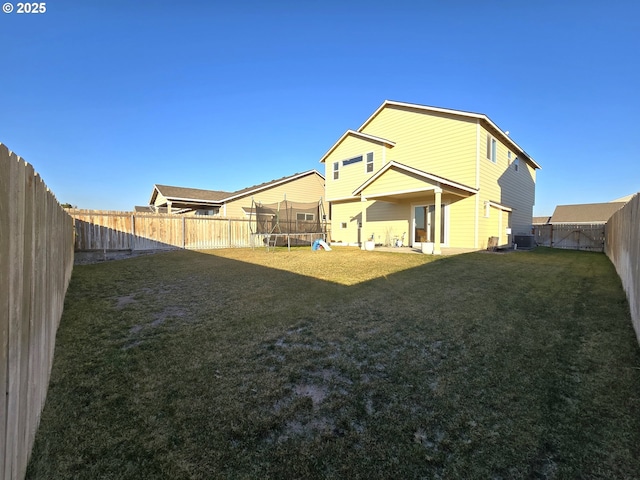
(461, 221)
(349, 213)
(396, 181)
(386, 221)
(309, 188)
(354, 175)
(434, 143)
(518, 191)
(501, 183)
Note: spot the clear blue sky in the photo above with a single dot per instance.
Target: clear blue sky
(107, 98)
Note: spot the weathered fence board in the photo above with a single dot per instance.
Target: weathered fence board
(36, 260)
(622, 246)
(575, 237)
(109, 230)
(5, 246)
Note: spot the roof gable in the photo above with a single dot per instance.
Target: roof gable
(360, 135)
(482, 118)
(427, 177)
(264, 186)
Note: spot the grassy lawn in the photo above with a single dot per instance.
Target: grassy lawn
(343, 364)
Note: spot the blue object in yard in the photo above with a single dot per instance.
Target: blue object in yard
(316, 245)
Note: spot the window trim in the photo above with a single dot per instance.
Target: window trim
(336, 170)
(352, 160)
(492, 148)
(368, 165)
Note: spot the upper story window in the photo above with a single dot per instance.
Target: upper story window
(369, 167)
(516, 163)
(492, 148)
(351, 160)
(336, 170)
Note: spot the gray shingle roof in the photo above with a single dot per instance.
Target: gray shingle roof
(541, 220)
(183, 193)
(585, 213)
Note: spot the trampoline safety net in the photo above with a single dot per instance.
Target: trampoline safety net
(287, 220)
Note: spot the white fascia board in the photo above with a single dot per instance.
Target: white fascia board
(500, 206)
(363, 136)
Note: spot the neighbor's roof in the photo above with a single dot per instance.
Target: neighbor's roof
(541, 220)
(624, 199)
(424, 108)
(263, 186)
(183, 194)
(585, 213)
(217, 197)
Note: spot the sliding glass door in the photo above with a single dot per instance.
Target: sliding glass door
(424, 224)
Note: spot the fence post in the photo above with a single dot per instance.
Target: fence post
(133, 232)
(229, 235)
(184, 220)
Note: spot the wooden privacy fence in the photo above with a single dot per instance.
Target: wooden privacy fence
(575, 237)
(622, 246)
(36, 260)
(109, 230)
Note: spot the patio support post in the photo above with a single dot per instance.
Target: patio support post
(438, 220)
(363, 222)
(169, 207)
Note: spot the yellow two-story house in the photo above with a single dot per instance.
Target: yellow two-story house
(427, 175)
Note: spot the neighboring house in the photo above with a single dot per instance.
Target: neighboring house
(302, 187)
(441, 176)
(585, 214)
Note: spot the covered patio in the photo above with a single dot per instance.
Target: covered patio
(418, 198)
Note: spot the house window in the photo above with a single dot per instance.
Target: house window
(305, 217)
(492, 148)
(516, 164)
(351, 160)
(336, 170)
(206, 212)
(369, 167)
(343, 225)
